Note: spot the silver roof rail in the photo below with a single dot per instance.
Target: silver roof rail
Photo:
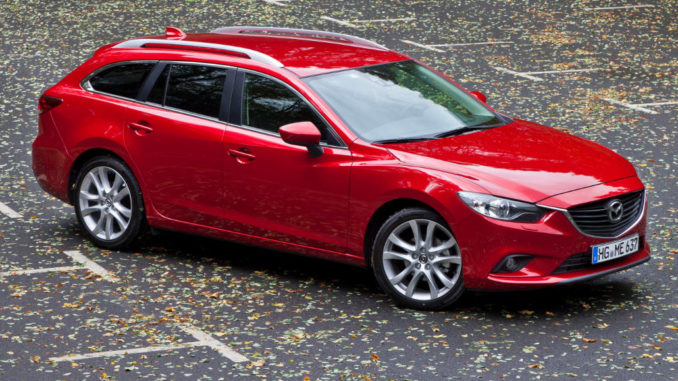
(252, 54)
(299, 33)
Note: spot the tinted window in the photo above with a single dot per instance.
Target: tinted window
(123, 80)
(268, 105)
(196, 88)
(157, 94)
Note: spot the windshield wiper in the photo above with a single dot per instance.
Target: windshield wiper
(462, 130)
(403, 140)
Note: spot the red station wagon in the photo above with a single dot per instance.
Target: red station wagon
(333, 146)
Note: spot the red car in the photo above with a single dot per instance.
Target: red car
(333, 146)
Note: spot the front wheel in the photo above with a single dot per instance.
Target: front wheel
(108, 202)
(416, 260)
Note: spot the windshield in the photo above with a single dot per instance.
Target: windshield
(400, 101)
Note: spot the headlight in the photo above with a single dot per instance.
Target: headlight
(502, 208)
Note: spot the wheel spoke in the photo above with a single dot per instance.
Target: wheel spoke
(122, 210)
(90, 209)
(117, 182)
(100, 224)
(109, 226)
(103, 178)
(430, 229)
(413, 283)
(447, 282)
(399, 278)
(433, 287)
(417, 234)
(121, 221)
(446, 245)
(447, 259)
(400, 243)
(88, 196)
(122, 194)
(390, 255)
(97, 184)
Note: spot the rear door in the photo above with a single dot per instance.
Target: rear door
(175, 138)
(276, 190)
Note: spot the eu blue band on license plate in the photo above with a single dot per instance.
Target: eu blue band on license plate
(615, 249)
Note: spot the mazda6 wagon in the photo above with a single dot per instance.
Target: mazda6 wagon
(333, 146)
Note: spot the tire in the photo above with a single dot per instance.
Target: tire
(108, 203)
(404, 265)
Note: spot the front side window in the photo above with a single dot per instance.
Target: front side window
(122, 80)
(401, 101)
(269, 105)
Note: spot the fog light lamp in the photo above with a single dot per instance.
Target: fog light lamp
(512, 263)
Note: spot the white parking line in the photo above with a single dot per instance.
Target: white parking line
(213, 343)
(7, 211)
(203, 340)
(91, 265)
(472, 43)
(38, 271)
(352, 24)
(640, 106)
(427, 47)
(282, 3)
(340, 22)
(620, 7)
(531, 74)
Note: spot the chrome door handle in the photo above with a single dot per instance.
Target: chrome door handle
(140, 128)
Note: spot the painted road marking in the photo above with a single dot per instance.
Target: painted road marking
(92, 266)
(38, 271)
(7, 211)
(282, 3)
(213, 343)
(620, 7)
(640, 106)
(352, 24)
(203, 340)
(531, 74)
(434, 47)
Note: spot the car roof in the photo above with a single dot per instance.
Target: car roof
(303, 52)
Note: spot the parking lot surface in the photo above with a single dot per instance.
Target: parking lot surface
(177, 306)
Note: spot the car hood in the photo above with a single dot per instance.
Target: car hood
(520, 160)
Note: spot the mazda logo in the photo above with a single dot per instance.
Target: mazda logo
(615, 210)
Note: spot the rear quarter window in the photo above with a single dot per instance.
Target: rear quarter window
(122, 80)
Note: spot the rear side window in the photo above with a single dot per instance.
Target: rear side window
(268, 105)
(122, 80)
(193, 88)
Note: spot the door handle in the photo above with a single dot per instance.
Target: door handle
(141, 128)
(241, 155)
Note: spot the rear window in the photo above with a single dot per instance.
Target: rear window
(194, 88)
(122, 80)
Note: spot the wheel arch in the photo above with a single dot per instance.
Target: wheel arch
(382, 213)
(83, 158)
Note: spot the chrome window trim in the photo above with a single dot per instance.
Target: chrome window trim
(631, 227)
(303, 98)
(87, 86)
(252, 54)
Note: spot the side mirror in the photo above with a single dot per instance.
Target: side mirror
(302, 134)
(479, 96)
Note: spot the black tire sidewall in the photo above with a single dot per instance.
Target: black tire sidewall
(138, 212)
(380, 274)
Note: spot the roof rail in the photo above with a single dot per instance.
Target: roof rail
(298, 33)
(204, 46)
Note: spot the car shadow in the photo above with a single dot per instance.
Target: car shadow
(577, 299)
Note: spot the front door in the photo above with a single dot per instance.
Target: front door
(276, 190)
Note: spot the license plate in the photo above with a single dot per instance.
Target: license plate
(615, 249)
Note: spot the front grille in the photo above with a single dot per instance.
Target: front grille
(592, 218)
(582, 261)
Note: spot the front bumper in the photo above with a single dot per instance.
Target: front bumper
(484, 242)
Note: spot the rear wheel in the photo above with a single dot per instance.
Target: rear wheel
(417, 261)
(108, 202)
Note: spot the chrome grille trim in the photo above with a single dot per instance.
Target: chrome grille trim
(639, 217)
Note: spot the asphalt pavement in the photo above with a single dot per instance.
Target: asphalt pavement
(177, 306)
